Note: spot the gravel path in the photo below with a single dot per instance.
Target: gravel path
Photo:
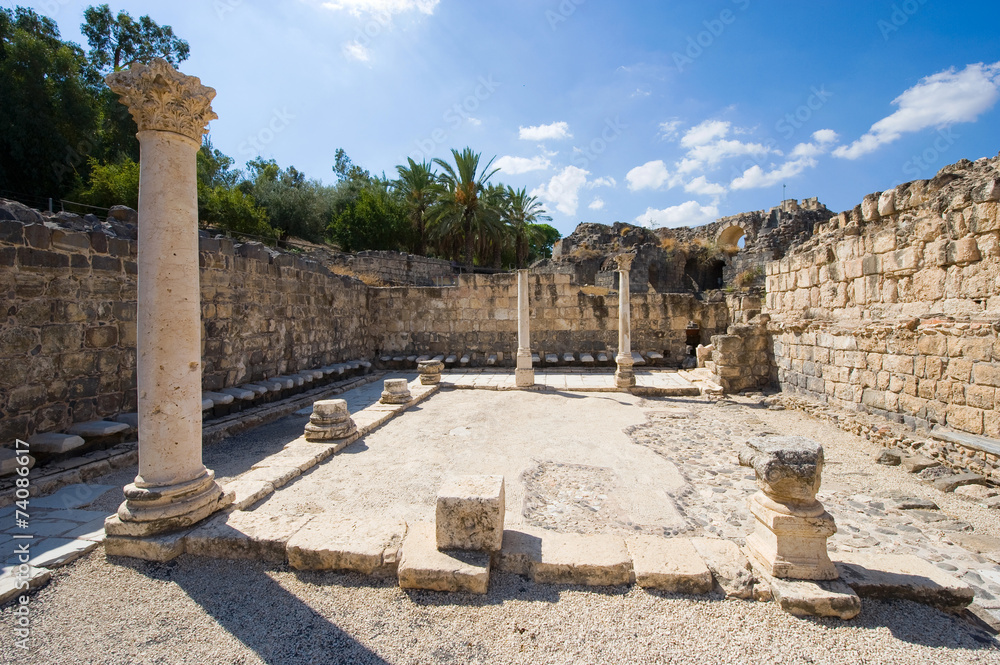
(195, 610)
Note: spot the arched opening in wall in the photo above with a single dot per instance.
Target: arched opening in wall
(692, 276)
(693, 337)
(732, 239)
(714, 274)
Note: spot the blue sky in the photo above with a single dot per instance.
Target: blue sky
(653, 112)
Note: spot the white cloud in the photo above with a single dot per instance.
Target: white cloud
(668, 129)
(597, 204)
(705, 132)
(651, 175)
(516, 165)
(710, 154)
(701, 185)
(938, 100)
(357, 51)
(755, 177)
(690, 213)
(475, 122)
(604, 181)
(554, 132)
(563, 190)
(382, 7)
(825, 136)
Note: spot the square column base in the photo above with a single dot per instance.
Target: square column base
(625, 374)
(791, 546)
(524, 375)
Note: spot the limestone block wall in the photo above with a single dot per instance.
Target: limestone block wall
(479, 316)
(743, 357)
(893, 307)
(68, 335)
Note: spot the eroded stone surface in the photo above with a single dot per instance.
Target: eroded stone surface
(669, 564)
(598, 560)
(333, 542)
(728, 564)
(831, 598)
(245, 535)
(469, 513)
(903, 576)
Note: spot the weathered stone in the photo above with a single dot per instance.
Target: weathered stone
(728, 564)
(599, 560)
(53, 443)
(470, 513)
(248, 492)
(336, 543)
(430, 372)
(97, 429)
(904, 577)
(245, 535)
(917, 463)
(423, 566)
(396, 392)
(890, 457)
(669, 564)
(330, 421)
(162, 547)
(951, 483)
(831, 598)
(12, 584)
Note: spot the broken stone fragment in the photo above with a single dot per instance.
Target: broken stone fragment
(430, 371)
(470, 513)
(788, 468)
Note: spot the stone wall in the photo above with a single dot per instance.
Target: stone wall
(68, 339)
(395, 268)
(893, 307)
(479, 316)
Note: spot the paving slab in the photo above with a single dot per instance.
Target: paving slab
(336, 542)
(591, 560)
(729, 565)
(245, 535)
(163, 547)
(423, 566)
(803, 598)
(12, 582)
(902, 576)
(669, 564)
(72, 496)
(54, 443)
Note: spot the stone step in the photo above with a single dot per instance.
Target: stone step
(906, 577)
(559, 558)
(602, 357)
(370, 547)
(669, 564)
(637, 358)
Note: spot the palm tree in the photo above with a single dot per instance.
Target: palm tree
(522, 212)
(418, 184)
(463, 186)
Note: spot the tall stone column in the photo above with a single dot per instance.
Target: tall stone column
(173, 489)
(524, 375)
(625, 375)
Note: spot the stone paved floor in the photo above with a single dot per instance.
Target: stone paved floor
(697, 440)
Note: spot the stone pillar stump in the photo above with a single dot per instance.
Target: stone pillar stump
(524, 374)
(792, 527)
(173, 489)
(624, 375)
(395, 391)
(430, 372)
(330, 421)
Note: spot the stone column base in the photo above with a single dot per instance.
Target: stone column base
(625, 374)
(789, 542)
(149, 511)
(524, 375)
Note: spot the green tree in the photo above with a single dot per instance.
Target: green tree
(375, 219)
(111, 184)
(546, 237)
(418, 186)
(220, 202)
(116, 42)
(463, 186)
(295, 206)
(49, 114)
(522, 213)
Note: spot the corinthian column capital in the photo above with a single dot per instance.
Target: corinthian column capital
(161, 98)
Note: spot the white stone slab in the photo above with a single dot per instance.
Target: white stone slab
(669, 564)
(218, 398)
(12, 586)
(423, 566)
(97, 428)
(72, 496)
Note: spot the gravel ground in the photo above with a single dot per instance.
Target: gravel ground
(195, 610)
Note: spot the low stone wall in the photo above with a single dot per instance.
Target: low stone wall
(742, 358)
(479, 316)
(68, 342)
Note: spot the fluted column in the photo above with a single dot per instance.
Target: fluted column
(173, 489)
(524, 375)
(625, 375)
